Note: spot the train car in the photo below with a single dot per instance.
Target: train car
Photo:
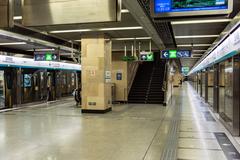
(23, 81)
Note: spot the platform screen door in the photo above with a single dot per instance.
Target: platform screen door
(2, 90)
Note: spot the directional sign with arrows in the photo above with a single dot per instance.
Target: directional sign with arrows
(173, 54)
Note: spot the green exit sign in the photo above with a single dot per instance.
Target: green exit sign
(48, 56)
(172, 53)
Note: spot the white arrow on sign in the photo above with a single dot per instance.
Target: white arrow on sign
(165, 54)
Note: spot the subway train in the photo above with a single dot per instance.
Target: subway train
(25, 81)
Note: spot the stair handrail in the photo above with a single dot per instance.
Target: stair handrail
(164, 87)
(134, 71)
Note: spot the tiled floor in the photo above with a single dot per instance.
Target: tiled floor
(196, 134)
(130, 132)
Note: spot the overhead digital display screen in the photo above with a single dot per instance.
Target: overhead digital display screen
(166, 8)
(189, 5)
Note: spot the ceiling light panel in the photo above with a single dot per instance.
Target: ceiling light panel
(199, 50)
(119, 28)
(194, 45)
(12, 43)
(98, 29)
(17, 17)
(201, 21)
(196, 36)
(124, 11)
(137, 38)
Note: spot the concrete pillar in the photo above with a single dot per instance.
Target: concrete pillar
(96, 74)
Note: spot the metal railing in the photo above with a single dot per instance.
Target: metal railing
(132, 71)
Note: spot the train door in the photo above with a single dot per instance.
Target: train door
(51, 85)
(58, 84)
(8, 79)
(2, 90)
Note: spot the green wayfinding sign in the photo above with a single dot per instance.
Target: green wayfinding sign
(185, 70)
(128, 58)
(48, 57)
(172, 53)
(146, 56)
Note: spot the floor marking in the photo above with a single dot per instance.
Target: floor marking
(180, 137)
(228, 148)
(205, 149)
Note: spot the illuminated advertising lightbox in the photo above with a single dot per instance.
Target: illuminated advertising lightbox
(27, 80)
(173, 8)
(146, 56)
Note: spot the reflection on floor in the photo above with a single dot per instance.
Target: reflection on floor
(183, 130)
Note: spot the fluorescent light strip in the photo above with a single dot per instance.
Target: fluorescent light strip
(197, 36)
(98, 29)
(124, 11)
(137, 38)
(197, 54)
(194, 45)
(12, 43)
(45, 49)
(199, 50)
(17, 17)
(120, 28)
(124, 39)
(71, 31)
(201, 21)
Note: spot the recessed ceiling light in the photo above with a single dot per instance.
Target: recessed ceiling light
(197, 54)
(119, 28)
(44, 49)
(137, 38)
(98, 29)
(12, 43)
(71, 31)
(125, 39)
(124, 11)
(196, 36)
(201, 21)
(194, 45)
(17, 17)
(199, 50)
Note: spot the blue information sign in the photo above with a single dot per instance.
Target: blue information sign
(119, 76)
(172, 54)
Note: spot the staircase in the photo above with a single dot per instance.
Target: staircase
(147, 85)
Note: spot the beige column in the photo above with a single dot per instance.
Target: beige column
(96, 74)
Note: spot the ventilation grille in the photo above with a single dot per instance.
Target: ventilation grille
(164, 29)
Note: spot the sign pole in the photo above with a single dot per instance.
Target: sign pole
(125, 50)
(150, 45)
(132, 50)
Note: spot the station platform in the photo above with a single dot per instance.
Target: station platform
(186, 129)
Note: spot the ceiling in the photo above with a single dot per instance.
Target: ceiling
(196, 37)
(196, 34)
(143, 36)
